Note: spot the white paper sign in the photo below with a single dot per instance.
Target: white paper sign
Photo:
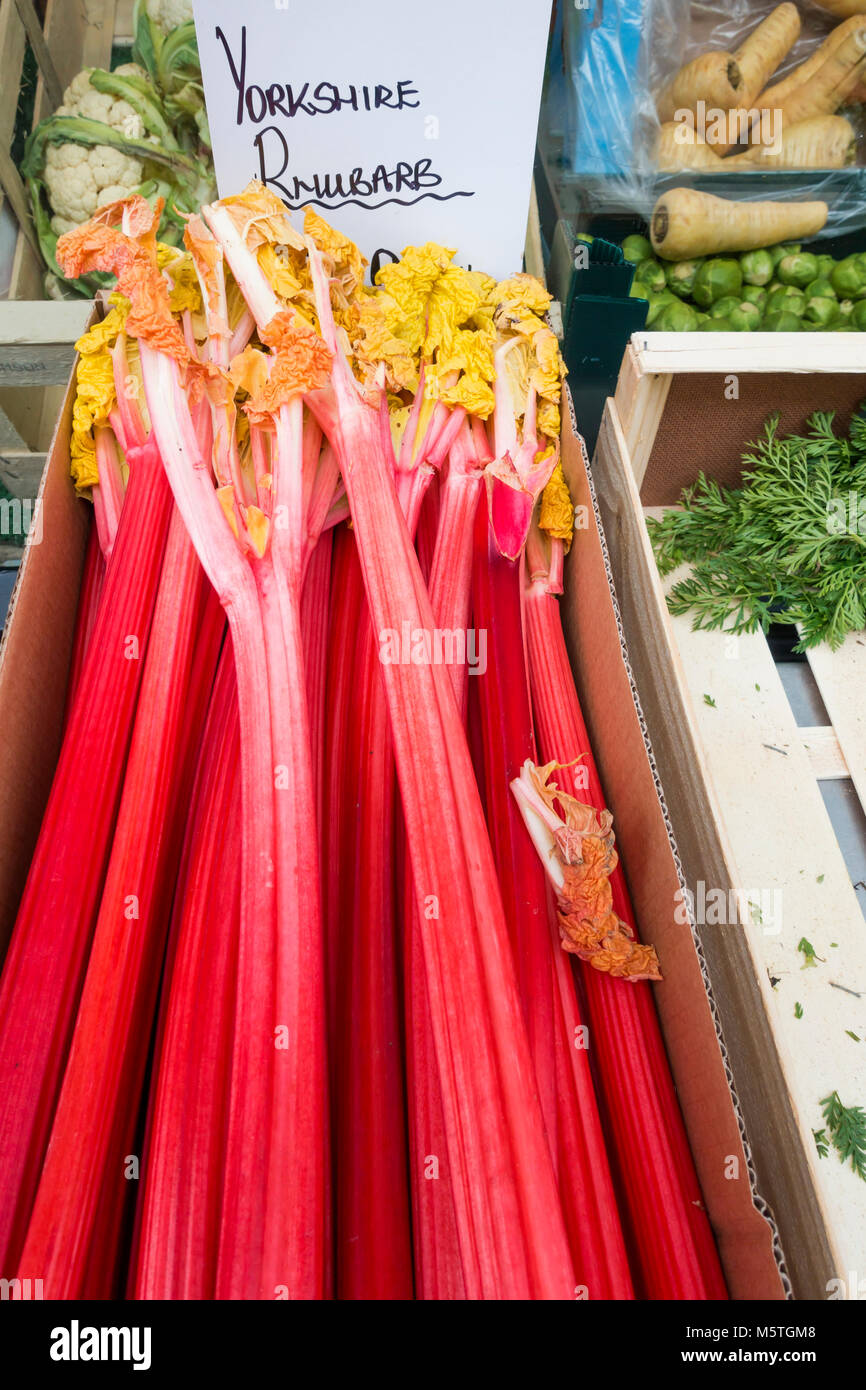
(400, 122)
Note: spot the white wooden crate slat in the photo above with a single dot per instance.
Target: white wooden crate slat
(781, 838)
(841, 679)
(750, 352)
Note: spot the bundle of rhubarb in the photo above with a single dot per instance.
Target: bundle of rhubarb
(325, 982)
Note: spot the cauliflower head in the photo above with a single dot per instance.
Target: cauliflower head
(169, 14)
(79, 180)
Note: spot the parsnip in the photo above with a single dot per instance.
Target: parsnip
(686, 223)
(775, 95)
(714, 78)
(823, 142)
(843, 8)
(830, 86)
(680, 147)
(762, 53)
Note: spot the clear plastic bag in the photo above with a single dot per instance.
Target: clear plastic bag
(617, 55)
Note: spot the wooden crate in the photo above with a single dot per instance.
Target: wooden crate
(72, 35)
(742, 779)
(37, 336)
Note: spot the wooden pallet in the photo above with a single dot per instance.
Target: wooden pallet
(742, 785)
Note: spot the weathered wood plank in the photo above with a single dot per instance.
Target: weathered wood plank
(749, 352)
(841, 679)
(41, 51)
(824, 752)
(21, 472)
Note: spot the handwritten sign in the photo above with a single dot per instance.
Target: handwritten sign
(400, 122)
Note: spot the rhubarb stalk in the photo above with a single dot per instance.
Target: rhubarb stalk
(511, 1232)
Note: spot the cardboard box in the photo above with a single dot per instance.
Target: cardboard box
(34, 663)
(741, 780)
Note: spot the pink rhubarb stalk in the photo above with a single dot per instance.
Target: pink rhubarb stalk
(182, 1171)
(98, 1102)
(48, 954)
(665, 1221)
(512, 1236)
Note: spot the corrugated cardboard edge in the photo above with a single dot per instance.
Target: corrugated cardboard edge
(34, 665)
(746, 1231)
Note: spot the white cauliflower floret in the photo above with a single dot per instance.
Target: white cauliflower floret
(79, 179)
(80, 99)
(169, 14)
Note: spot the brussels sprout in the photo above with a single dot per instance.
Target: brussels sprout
(797, 270)
(754, 294)
(680, 276)
(715, 279)
(636, 249)
(820, 286)
(676, 318)
(716, 326)
(846, 308)
(657, 302)
(745, 318)
(849, 278)
(757, 267)
(784, 248)
(781, 322)
(651, 275)
(858, 316)
(723, 308)
(786, 300)
(826, 265)
(821, 310)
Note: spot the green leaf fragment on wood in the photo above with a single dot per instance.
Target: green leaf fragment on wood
(846, 1128)
(810, 955)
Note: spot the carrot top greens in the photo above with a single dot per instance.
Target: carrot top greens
(789, 545)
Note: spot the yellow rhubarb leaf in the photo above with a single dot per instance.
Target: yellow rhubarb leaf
(249, 371)
(556, 512)
(549, 421)
(260, 217)
(374, 343)
(258, 529)
(226, 496)
(427, 298)
(282, 272)
(524, 292)
(348, 263)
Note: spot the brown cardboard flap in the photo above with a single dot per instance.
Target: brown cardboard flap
(593, 631)
(34, 667)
